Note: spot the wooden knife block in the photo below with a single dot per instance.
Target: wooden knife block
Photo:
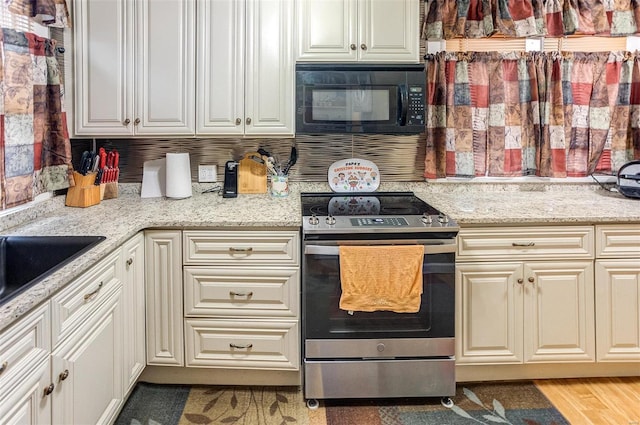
(85, 193)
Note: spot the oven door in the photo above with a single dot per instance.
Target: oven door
(321, 290)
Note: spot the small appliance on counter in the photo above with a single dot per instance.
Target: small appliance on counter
(230, 189)
(629, 179)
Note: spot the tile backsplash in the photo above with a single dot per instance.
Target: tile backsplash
(399, 158)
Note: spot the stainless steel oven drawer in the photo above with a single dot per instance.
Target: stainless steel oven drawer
(380, 378)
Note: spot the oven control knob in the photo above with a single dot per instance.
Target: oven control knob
(314, 219)
(381, 347)
(426, 218)
(443, 218)
(330, 220)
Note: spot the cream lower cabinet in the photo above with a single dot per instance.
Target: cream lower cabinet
(25, 370)
(163, 276)
(537, 310)
(87, 357)
(133, 287)
(617, 285)
(241, 299)
(62, 363)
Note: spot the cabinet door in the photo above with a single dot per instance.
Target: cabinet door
(388, 30)
(489, 313)
(87, 368)
(103, 37)
(163, 276)
(165, 68)
(327, 30)
(269, 82)
(27, 402)
(134, 307)
(618, 310)
(220, 79)
(559, 311)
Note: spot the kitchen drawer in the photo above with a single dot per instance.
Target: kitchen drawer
(23, 345)
(510, 243)
(76, 302)
(235, 291)
(241, 247)
(618, 241)
(246, 344)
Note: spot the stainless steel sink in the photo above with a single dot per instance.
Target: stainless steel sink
(26, 260)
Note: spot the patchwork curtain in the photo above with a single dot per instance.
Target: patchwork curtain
(35, 151)
(445, 19)
(548, 114)
(53, 13)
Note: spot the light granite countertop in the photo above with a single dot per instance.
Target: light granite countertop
(119, 219)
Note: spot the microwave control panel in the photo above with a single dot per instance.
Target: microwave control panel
(415, 115)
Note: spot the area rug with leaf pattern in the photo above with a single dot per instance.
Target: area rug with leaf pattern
(477, 403)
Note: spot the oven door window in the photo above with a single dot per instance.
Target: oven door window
(323, 319)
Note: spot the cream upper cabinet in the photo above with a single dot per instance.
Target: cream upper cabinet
(245, 80)
(511, 312)
(134, 68)
(358, 30)
(618, 293)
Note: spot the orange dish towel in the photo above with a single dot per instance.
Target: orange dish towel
(377, 278)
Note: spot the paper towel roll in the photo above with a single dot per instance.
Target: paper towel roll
(178, 172)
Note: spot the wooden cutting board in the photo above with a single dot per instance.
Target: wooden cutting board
(252, 175)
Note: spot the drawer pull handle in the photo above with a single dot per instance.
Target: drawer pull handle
(64, 375)
(233, 250)
(240, 294)
(3, 367)
(49, 389)
(240, 346)
(92, 294)
(523, 244)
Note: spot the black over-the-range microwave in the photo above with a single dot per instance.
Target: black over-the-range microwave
(359, 98)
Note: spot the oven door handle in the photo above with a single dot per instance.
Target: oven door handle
(334, 250)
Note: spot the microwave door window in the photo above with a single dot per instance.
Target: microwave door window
(351, 105)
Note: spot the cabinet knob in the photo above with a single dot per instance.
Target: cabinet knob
(137, 121)
(238, 121)
(48, 390)
(126, 122)
(531, 279)
(248, 121)
(520, 281)
(64, 375)
(363, 46)
(3, 367)
(129, 262)
(352, 46)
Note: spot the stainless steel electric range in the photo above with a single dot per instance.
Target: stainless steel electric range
(379, 353)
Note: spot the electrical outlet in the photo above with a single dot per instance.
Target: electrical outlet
(207, 173)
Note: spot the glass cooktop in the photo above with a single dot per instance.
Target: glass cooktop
(365, 204)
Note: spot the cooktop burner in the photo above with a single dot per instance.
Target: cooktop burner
(361, 212)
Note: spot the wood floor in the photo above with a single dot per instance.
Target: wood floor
(595, 401)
